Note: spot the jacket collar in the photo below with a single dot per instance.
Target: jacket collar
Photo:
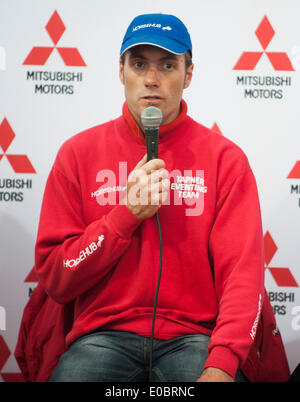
(163, 129)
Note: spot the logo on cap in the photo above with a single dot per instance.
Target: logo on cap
(146, 26)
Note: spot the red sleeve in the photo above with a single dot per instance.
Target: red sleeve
(236, 249)
(71, 256)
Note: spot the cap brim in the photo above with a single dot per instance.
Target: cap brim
(169, 45)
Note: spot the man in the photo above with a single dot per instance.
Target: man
(98, 245)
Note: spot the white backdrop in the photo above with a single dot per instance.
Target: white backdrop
(38, 114)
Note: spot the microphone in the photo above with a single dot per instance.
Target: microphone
(151, 118)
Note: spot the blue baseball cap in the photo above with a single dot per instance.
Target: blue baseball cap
(161, 30)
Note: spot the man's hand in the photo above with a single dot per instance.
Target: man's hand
(213, 374)
(147, 187)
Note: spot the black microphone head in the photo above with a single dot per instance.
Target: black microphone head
(151, 117)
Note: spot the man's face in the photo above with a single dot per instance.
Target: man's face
(154, 77)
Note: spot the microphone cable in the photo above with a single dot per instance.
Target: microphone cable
(151, 118)
(156, 295)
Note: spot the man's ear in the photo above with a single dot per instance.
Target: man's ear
(188, 76)
(121, 72)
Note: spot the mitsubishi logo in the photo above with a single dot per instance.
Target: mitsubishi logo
(295, 172)
(279, 60)
(5, 353)
(40, 54)
(282, 276)
(19, 163)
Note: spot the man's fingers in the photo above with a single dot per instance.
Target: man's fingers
(140, 194)
(153, 164)
(147, 182)
(151, 171)
(148, 167)
(161, 186)
(159, 175)
(148, 187)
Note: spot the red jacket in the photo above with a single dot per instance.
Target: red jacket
(100, 262)
(45, 324)
(91, 249)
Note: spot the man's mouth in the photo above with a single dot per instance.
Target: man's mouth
(152, 97)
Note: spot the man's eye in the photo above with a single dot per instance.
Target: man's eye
(168, 66)
(138, 64)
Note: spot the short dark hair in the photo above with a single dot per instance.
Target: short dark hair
(188, 59)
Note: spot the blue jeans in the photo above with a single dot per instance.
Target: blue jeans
(117, 356)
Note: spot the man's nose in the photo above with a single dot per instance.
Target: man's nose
(151, 78)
